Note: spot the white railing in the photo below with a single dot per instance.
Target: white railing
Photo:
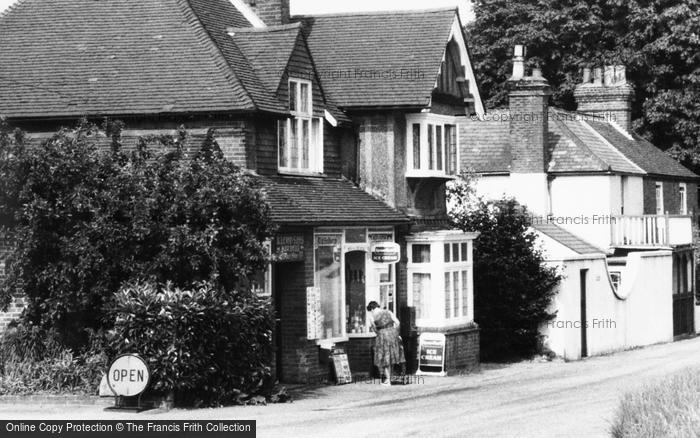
(651, 230)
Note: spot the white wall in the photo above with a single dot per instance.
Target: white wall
(493, 187)
(643, 317)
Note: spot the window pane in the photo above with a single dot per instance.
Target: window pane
(356, 235)
(384, 273)
(421, 294)
(355, 292)
(455, 295)
(448, 295)
(327, 278)
(305, 138)
(386, 296)
(292, 96)
(316, 150)
(455, 252)
(447, 253)
(451, 148)
(464, 293)
(282, 142)
(431, 147)
(438, 143)
(464, 252)
(304, 98)
(416, 146)
(294, 144)
(420, 253)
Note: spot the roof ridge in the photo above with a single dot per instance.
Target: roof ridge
(268, 29)
(206, 38)
(12, 7)
(611, 145)
(381, 12)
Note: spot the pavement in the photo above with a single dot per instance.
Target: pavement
(526, 399)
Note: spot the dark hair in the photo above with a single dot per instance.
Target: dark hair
(372, 305)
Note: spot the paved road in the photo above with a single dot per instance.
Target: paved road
(529, 399)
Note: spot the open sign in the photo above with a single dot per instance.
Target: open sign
(128, 375)
(386, 252)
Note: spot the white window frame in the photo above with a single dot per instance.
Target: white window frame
(429, 121)
(266, 289)
(315, 164)
(683, 195)
(437, 267)
(659, 196)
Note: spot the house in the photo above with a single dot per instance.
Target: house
(349, 121)
(613, 212)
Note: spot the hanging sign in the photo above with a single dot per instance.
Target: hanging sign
(386, 252)
(431, 358)
(128, 375)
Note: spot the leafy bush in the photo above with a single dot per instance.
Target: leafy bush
(668, 408)
(207, 345)
(86, 220)
(33, 362)
(513, 289)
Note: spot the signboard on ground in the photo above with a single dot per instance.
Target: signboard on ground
(128, 375)
(386, 252)
(342, 368)
(431, 354)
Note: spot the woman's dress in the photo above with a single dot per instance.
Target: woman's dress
(388, 348)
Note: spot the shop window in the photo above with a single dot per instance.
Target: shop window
(440, 287)
(300, 137)
(432, 145)
(328, 278)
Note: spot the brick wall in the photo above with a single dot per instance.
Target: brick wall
(360, 356)
(671, 196)
(461, 348)
(13, 312)
(271, 12)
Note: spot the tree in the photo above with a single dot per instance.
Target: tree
(658, 41)
(513, 289)
(84, 221)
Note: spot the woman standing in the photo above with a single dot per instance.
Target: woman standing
(388, 349)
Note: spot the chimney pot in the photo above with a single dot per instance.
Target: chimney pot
(609, 76)
(620, 74)
(518, 63)
(586, 75)
(537, 73)
(598, 76)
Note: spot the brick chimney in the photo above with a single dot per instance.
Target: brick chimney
(528, 101)
(606, 93)
(271, 12)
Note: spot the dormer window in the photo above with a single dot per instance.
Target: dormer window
(300, 137)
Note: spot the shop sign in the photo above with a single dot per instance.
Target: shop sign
(381, 237)
(289, 248)
(386, 252)
(314, 318)
(431, 358)
(341, 366)
(128, 375)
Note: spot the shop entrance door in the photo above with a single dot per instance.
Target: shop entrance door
(355, 289)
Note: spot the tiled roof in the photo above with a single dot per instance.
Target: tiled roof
(575, 144)
(566, 238)
(379, 59)
(268, 50)
(299, 200)
(117, 57)
(590, 152)
(644, 154)
(485, 145)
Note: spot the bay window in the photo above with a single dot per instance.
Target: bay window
(432, 145)
(300, 137)
(440, 278)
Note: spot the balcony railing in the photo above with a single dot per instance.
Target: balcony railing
(651, 230)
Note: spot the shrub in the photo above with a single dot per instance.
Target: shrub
(86, 220)
(668, 408)
(208, 345)
(509, 304)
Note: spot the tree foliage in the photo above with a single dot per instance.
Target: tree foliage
(85, 220)
(658, 41)
(513, 288)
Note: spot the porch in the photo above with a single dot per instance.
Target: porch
(649, 231)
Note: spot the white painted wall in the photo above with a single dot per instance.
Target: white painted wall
(493, 187)
(644, 317)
